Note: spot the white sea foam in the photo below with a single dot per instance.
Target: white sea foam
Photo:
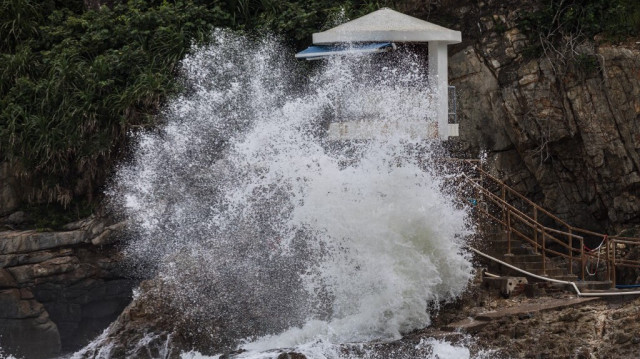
(321, 349)
(263, 225)
(4, 355)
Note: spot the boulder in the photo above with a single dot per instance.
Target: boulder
(508, 286)
(14, 242)
(57, 289)
(7, 280)
(25, 327)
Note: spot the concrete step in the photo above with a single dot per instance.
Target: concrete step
(523, 258)
(536, 268)
(515, 250)
(529, 266)
(567, 277)
(517, 247)
(551, 273)
(593, 285)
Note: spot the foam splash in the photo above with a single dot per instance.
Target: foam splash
(3, 355)
(429, 348)
(264, 226)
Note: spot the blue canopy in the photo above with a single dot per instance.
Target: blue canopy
(321, 51)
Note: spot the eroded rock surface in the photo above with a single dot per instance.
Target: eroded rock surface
(602, 329)
(553, 324)
(58, 290)
(151, 327)
(564, 130)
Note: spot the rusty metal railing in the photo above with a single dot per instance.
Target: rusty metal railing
(522, 218)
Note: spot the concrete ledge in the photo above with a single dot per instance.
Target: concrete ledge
(506, 285)
(473, 325)
(534, 307)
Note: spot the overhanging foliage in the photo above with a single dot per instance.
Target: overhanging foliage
(74, 82)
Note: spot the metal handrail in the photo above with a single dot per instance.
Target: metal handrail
(510, 212)
(486, 174)
(514, 213)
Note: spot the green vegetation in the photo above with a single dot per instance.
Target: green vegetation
(616, 19)
(53, 216)
(75, 81)
(564, 30)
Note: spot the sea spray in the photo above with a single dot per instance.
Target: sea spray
(264, 230)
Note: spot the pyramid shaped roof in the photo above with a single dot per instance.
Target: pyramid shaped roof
(386, 25)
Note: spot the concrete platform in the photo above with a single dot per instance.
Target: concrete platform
(468, 326)
(533, 307)
(473, 325)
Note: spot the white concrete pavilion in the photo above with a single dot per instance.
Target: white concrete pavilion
(378, 32)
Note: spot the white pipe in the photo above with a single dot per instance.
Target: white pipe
(575, 287)
(490, 274)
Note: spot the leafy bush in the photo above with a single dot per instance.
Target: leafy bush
(565, 31)
(74, 82)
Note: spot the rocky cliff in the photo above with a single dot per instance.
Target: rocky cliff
(58, 290)
(562, 126)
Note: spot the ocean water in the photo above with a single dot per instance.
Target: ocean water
(257, 221)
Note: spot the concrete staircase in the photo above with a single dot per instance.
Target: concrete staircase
(524, 257)
(501, 213)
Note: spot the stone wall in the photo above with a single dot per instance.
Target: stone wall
(58, 290)
(564, 132)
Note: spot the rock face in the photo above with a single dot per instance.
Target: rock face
(58, 290)
(604, 329)
(553, 324)
(563, 129)
(150, 328)
(9, 198)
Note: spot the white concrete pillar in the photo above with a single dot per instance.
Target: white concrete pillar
(438, 72)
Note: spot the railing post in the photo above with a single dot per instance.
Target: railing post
(481, 197)
(613, 269)
(504, 208)
(570, 252)
(509, 232)
(582, 262)
(609, 261)
(535, 231)
(544, 256)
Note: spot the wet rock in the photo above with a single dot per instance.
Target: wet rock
(17, 218)
(32, 241)
(6, 279)
(149, 328)
(25, 326)
(28, 273)
(291, 355)
(58, 289)
(109, 235)
(592, 330)
(12, 306)
(30, 338)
